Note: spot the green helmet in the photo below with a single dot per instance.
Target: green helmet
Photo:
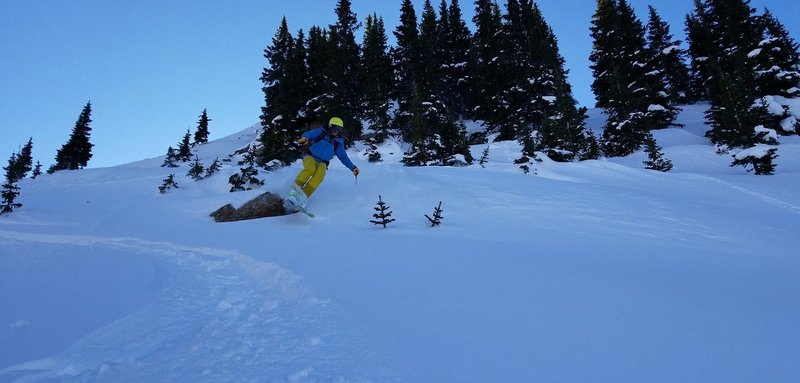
(336, 121)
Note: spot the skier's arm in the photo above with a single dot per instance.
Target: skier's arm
(342, 155)
(312, 134)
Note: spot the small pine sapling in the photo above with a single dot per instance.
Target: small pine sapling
(484, 157)
(169, 183)
(170, 159)
(196, 170)
(37, 170)
(213, 168)
(655, 158)
(437, 215)
(373, 155)
(245, 179)
(383, 214)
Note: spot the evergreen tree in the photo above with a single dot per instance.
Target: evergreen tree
(406, 62)
(345, 70)
(376, 80)
(21, 163)
(25, 159)
(421, 152)
(246, 178)
(522, 103)
(213, 168)
(10, 189)
(777, 76)
(455, 40)
(284, 94)
(184, 153)
(430, 64)
(201, 134)
(701, 48)
(627, 84)
(776, 59)
(655, 158)
(729, 79)
(196, 170)
(760, 157)
(484, 157)
(171, 158)
(320, 103)
(437, 215)
(382, 217)
(169, 183)
(37, 170)
(606, 42)
(742, 114)
(440, 135)
(731, 115)
(669, 59)
(489, 78)
(77, 152)
(563, 133)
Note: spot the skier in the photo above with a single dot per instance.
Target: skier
(322, 143)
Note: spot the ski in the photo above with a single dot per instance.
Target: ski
(304, 211)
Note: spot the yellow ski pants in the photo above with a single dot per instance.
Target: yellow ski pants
(311, 176)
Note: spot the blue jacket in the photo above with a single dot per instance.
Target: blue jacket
(323, 147)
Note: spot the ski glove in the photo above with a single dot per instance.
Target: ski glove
(355, 172)
(303, 141)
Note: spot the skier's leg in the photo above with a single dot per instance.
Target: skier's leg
(309, 167)
(316, 179)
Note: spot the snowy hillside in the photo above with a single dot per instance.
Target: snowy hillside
(596, 271)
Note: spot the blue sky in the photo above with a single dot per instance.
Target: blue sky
(150, 67)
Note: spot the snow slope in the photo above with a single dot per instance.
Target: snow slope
(595, 271)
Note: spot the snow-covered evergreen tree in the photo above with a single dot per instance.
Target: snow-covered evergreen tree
(669, 59)
(561, 126)
(489, 76)
(346, 70)
(284, 95)
(738, 112)
(376, 82)
(406, 62)
(776, 64)
(759, 157)
(627, 84)
(320, 100)
(454, 44)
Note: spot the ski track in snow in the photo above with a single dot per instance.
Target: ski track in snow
(259, 323)
(762, 197)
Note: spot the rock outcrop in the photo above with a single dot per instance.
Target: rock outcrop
(265, 205)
